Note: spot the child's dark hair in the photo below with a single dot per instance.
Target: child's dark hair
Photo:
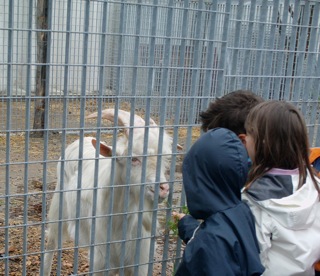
(230, 111)
(280, 140)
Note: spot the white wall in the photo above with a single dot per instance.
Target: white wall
(20, 51)
(18, 46)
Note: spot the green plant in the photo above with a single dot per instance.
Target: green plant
(173, 223)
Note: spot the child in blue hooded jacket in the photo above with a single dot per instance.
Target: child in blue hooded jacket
(224, 243)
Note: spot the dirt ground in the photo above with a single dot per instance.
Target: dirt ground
(25, 229)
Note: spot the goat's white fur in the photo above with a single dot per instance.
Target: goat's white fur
(102, 204)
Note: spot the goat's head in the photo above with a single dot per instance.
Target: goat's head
(154, 158)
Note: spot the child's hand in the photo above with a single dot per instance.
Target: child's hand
(173, 224)
(177, 216)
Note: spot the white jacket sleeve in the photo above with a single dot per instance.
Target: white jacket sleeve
(263, 225)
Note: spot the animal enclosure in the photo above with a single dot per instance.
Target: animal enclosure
(161, 60)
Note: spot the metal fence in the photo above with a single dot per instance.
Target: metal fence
(165, 59)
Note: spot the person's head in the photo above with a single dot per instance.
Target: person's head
(230, 111)
(277, 138)
(214, 171)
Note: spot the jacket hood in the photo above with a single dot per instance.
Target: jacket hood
(214, 171)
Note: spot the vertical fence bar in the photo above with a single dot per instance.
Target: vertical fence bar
(8, 133)
(309, 57)
(81, 132)
(247, 52)
(281, 54)
(182, 57)
(211, 55)
(27, 138)
(146, 135)
(128, 164)
(290, 65)
(269, 56)
(316, 140)
(300, 51)
(63, 135)
(310, 50)
(260, 43)
(112, 191)
(163, 100)
(313, 71)
(236, 47)
(224, 45)
(195, 73)
(130, 143)
(118, 75)
(98, 135)
(181, 62)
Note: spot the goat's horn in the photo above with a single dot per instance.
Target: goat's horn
(123, 117)
(152, 122)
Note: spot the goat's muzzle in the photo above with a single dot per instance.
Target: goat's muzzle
(164, 191)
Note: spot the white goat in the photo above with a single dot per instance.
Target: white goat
(102, 203)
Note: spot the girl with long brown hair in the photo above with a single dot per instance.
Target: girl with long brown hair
(282, 189)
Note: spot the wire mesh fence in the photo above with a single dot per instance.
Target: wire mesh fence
(65, 59)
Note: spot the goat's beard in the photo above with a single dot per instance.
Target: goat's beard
(149, 195)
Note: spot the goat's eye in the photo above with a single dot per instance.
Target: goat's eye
(135, 161)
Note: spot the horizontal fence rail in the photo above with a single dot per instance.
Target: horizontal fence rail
(98, 192)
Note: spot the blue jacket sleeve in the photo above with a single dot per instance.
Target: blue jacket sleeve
(201, 258)
(186, 227)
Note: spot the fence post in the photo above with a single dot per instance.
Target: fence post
(42, 44)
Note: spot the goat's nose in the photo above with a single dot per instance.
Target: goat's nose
(164, 189)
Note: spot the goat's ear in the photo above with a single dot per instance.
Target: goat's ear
(179, 147)
(105, 150)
